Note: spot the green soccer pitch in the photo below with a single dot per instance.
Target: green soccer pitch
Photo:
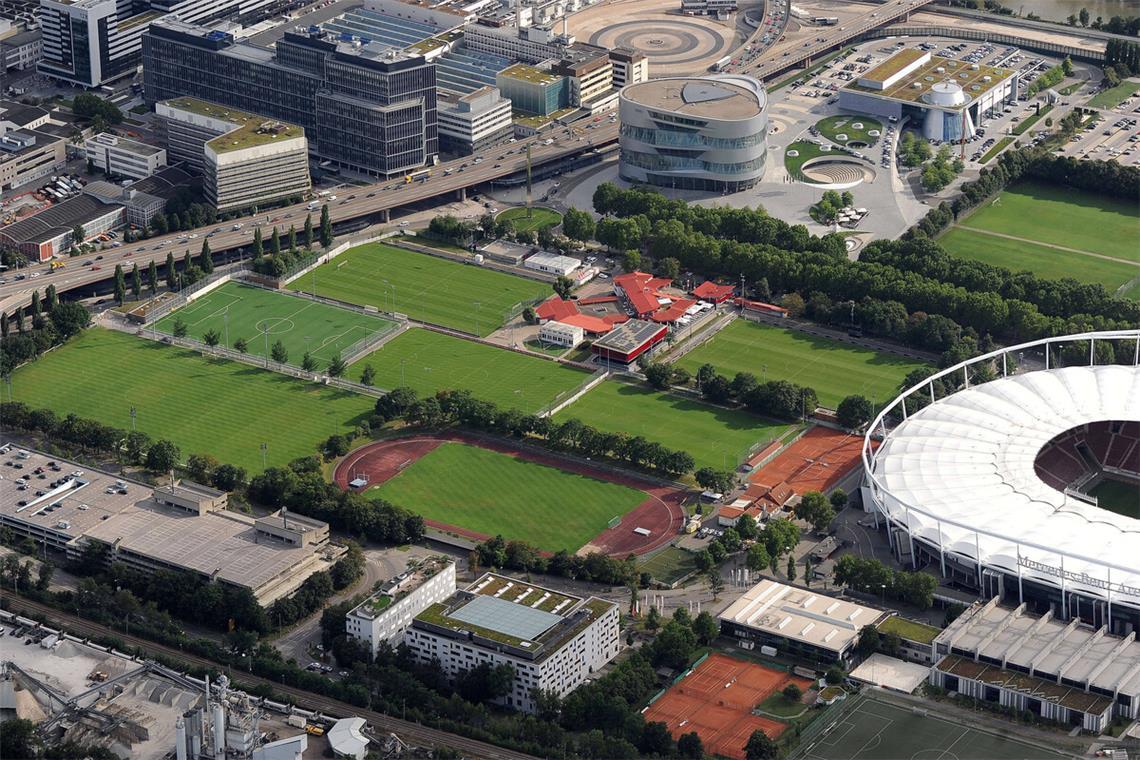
(429, 361)
(715, 437)
(870, 729)
(834, 369)
(425, 287)
(204, 406)
(492, 493)
(252, 313)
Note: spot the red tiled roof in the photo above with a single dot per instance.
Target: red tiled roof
(710, 291)
(673, 311)
(593, 325)
(596, 300)
(557, 309)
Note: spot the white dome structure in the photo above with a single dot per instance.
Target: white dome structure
(945, 94)
(963, 481)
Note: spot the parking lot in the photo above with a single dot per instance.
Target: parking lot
(1113, 136)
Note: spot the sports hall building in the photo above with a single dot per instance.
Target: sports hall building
(944, 98)
(694, 133)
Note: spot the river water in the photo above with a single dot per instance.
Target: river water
(1059, 10)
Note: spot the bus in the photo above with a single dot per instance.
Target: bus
(418, 176)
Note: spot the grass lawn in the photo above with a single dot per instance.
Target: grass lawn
(540, 217)
(669, 565)
(1118, 496)
(833, 126)
(493, 493)
(715, 437)
(300, 324)
(213, 406)
(545, 348)
(423, 286)
(909, 629)
(428, 361)
(998, 147)
(1114, 96)
(779, 705)
(807, 151)
(834, 369)
(1064, 216)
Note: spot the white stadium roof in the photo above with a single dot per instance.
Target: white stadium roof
(965, 466)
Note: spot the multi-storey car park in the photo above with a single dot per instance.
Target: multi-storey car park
(552, 639)
(67, 506)
(994, 485)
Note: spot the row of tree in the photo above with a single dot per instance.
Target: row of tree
(781, 399)
(872, 576)
(516, 555)
(24, 336)
(283, 255)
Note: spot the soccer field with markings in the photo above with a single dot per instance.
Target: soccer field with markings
(243, 311)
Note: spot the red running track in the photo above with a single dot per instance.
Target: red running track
(661, 513)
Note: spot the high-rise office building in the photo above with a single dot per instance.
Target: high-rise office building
(363, 106)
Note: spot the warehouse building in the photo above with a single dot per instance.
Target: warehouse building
(123, 157)
(945, 98)
(694, 133)
(65, 506)
(1067, 672)
(386, 615)
(553, 640)
(797, 622)
(246, 160)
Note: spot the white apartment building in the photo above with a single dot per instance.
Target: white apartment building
(469, 122)
(554, 641)
(561, 334)
(629, 67)
(386, 615)
(126, 158)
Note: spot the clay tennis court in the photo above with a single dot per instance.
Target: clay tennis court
(818, 461)
(716, 701)
(661, 513)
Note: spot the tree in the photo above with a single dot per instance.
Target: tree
(180, 329)
(51, 297)
(308, 363)
(690, 746)
(834, 675)
(868, 642)
(292, 237)
(152, 277)
(716, 583)
(631, 260)
(279, 353)
(275, 242)
(670, 268)
(757, 558)
(578, 225)
(308, 232)
(652, 619)
(760, 746)
(171, 272)
(791, 569)
(69, 319)
(1067, 66)
(200, 467)
(120, 285)
(1083, 16)
(206, 258)
(838, 499)
(779, 535)
(815, 509)
(326, 227)
(212, 338)
(136, 281)
(258, 246)
(655, 740)
(746, 527)
(162, 456)
(854, 412)
(368, 376)
(3, 324)
(714, 480)
(241, 346)
(18, 739)
(78, 234)
(563, 286)
(337, 366)
(657, 375)
(706, 628)
(792, 693)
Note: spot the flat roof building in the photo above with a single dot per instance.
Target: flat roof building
(64, 505)
(470, 122)
(246, 160)
(386, 615)
(532, 90)
(123, 157)
(629, 67)
(561, 334)
(797, 621)
(628, 340)
(694, 133)
(552, 263)
(947, 99)
(1068, 672)
(553, 640)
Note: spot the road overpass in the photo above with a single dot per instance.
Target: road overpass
(796, 53)
(368, 202)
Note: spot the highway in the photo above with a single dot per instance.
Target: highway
(381, 723)
(793, 53)
(351, 203)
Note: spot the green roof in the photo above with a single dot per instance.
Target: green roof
(909, 629)
(250, 130)
(528, 74)
(894, 64)
(927, 76)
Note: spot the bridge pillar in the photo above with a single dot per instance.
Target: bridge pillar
(386, 215)
(461, 194)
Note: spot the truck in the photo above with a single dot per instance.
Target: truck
(57, 265)
(296, 721)
(721, 64)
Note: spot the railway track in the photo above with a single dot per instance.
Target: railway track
(415, 733)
